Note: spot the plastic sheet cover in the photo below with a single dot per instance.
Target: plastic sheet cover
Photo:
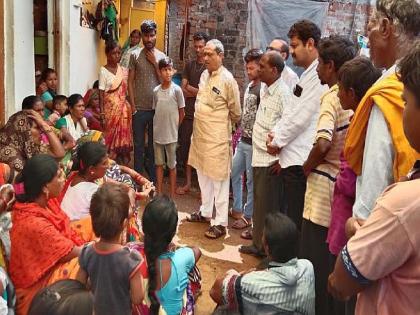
(273, 18)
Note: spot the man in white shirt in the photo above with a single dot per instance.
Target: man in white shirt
(292, 137)
(288, 75)
(275, 98)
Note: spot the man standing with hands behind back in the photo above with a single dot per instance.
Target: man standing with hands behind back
(143, 77)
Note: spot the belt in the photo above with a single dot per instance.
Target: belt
(246, 140)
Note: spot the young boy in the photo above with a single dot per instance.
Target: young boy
(115, 289)
(57, 120)
(59, 109)
(354, 80)
(168, 103)
(242, 160)
(287, 286)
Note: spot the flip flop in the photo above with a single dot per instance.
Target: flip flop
(196, 217)
(235, 214)
(215, 231)
(247, 235)
(241, 223)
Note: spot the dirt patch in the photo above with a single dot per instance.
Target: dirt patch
(218, 255)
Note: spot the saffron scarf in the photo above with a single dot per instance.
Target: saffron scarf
(386, 94)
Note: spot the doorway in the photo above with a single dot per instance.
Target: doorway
(46, 35)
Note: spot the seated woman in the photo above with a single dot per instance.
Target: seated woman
(91, 165)
(33, 102)
(20, 139)
(120, 173)
(7, 198)
(44, 248)
(63, 298)
(167, 269)
(75, 121)
(287, 286)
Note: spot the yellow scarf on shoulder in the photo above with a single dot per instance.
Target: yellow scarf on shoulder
(387, 95)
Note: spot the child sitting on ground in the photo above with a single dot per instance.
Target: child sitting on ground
(113, 269)
(168, 269)
(92, 112)
(287, 286)
(168, 103)
(62, 298)
(59, 110)
(57, 120)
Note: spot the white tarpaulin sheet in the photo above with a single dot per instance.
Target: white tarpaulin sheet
(273, 18)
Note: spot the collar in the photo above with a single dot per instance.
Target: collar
(388, 72)
(311, 68)
(217, 72)
(274, 264)
(333, 89)
(273, 87)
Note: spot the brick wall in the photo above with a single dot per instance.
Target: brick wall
(348, 17)
(226, 20)
(221, 19)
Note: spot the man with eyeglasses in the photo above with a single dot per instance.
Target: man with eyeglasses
(288, 75)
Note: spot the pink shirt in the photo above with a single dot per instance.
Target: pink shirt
(386, 251)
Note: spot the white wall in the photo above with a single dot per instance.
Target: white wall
(83, 60)
(19, 53)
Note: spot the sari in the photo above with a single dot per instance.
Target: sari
(16, 142)
(36, 233)
(84, 226)
(118, 129)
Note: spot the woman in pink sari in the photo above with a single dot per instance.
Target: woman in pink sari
(116, 111)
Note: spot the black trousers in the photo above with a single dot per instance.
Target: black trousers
(313, 246)
(293, 188)
(267, 198)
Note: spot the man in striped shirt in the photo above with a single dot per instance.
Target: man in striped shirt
(322, 165)
(285, 287)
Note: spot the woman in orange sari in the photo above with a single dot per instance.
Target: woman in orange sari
(44, 248)
(116, 111)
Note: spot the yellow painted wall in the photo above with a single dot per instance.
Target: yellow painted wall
(131, 18)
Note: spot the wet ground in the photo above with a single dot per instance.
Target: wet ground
(218, 256)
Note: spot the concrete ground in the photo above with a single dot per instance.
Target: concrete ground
(218, 256)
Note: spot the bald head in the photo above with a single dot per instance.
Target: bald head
(281, 46)
(275, 60)
(271, 67)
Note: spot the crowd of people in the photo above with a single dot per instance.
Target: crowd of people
(328, 162)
